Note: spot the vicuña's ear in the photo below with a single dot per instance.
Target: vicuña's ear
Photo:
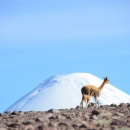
(106, 78)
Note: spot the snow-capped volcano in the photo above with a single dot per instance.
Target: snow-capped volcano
(64, 91)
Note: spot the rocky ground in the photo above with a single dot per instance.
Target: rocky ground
(108, 117)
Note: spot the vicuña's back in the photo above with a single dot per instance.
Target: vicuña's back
(89, 90)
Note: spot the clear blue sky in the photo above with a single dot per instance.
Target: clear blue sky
(41, 38)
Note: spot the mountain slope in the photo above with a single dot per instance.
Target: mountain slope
(64, 91)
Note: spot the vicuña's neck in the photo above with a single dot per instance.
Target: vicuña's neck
(102, 85)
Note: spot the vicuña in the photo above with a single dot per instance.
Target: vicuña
(85, 98)
(91, 90)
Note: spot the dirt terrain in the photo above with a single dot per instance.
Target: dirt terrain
(107, 117)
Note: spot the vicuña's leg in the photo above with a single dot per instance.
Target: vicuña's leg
(87, 103)
(81, 104)
(96, 101)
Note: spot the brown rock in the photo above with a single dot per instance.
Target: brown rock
(28, 122)
(128, 104)
(119, 114)
(94, 117)
(29, 127)
(78, 108)
(113, 105)
(96, 112)
(53, 111)
(101, 112)
(38, 119)
(3, 129)
(118, 122)
(123, 105)
(58, 116)
(126, 110)
(13, 124)
(46, 128)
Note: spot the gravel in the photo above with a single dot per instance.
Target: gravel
(107, 117)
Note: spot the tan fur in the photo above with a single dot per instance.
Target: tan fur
(85, 98)
(93, 90)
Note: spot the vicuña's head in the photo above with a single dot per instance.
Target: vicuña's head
(106, 80)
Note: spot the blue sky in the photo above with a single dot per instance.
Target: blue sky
(41, 38)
